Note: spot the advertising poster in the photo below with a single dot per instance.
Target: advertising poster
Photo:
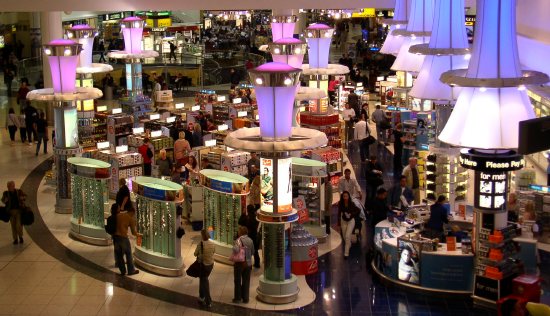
(409, 261)
(447, 272)
(300, 206)
(284, 185)
(266, 185)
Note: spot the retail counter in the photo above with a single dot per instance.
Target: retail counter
(440, 270)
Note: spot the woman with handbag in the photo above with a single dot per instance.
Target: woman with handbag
(243, 248)
(14, 199)
(205, 258)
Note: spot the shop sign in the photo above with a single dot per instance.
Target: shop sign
(365, 13)
(490, 190)
(470, 159)
(470, 20)
(487, 288)
(158, 29)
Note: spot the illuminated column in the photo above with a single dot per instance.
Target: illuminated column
(282, 26)
(63, 59)
(84, 35)
(491, 104)
(62, 56)
(275, 85)
(50, 28)
(318, 37)
(288, 51)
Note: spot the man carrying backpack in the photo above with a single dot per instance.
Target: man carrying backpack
(121, 243)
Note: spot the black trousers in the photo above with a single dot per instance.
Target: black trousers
(241, 273)
(31, 133)
(147, 169)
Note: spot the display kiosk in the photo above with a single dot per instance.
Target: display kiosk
(158, 250)
(89, 184)
(309, 178)
(224, 198)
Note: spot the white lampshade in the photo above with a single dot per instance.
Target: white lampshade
(392, 44)
(487, 118)
(407, 61)
(448, 38)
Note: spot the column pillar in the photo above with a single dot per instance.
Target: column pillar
(50, 28)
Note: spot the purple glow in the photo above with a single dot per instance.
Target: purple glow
(318, 26)
(63, 69)
(292, 60)
(288, 40)
(282, 30)
(132, 19)
(132, 39)
(275, 67)
(81, 27)
(85, 57)
(62, 42)
(275, 106)
(318, 51)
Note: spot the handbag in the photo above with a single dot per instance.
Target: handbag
(239, 255)
(180, 232)
(4, 214)
(27, 216)
(370, 140)
(195, 268)
(385, 124)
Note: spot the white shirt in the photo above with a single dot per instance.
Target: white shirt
(361, 130)
(351, 185)
(348, 114)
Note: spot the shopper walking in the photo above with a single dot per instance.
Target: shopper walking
(31, 116)
(373, 175)
(22, 126)
(413, 180)
(41, 128)
(121, 243)
(398, 140)
(242, 270)
(192, 169)
(22, 92)
(173, 48)
(348, 115)
(147, 156)
(350, 185)
(379, 117)
(360, 134)
(255, 191)
(347, 212)
(253, 166)
(205, 256)
(12, 123)
(378, 210)
(101, 49)
(252, 225)
(353, 101)
(9, 75)
(14, 201)
(197, 136)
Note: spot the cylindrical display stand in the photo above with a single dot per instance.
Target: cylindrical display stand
(304, 249)
(134, 84)
(224, 200)
(308, 182)
(157, 248)
(66, 146)
(89, 179)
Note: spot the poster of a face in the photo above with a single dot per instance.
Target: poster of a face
(409, 265)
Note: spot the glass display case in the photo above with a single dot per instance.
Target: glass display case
(224, 201)
(157, 248)
(89, 178)
(309, 178)
(445, 176)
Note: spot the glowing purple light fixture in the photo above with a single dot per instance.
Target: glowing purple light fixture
(419, 28)
(84, 35)
(318, 38)
(63, 59)
(132, 30)
(392, 44)
(289, 51)
(282, 26)
(447, 50)
(275, 85)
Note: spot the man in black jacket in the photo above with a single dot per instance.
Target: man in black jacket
(31, 116)
(378, 211)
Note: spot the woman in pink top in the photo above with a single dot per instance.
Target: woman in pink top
(181, 149)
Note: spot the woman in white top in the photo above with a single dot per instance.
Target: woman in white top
(12, 123)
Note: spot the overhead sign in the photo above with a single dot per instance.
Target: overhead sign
(510, 161)
(365, 13)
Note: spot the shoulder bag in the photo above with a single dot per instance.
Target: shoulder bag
(195, 268)
(240, 254)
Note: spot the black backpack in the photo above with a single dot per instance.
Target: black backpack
(110, 228)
